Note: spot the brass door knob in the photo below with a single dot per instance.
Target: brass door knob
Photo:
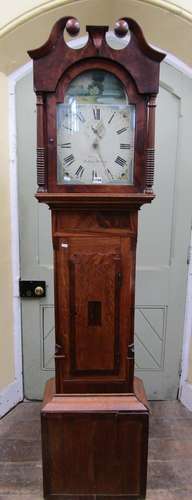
(39, 291)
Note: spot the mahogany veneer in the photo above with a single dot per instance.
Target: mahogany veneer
(95, 446)
(95, 262)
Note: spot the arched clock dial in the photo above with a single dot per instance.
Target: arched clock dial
(95, 132)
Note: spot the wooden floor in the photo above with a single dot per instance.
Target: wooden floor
(170, 453)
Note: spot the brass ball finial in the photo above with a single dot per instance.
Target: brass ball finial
(72, 27)
(121, 28)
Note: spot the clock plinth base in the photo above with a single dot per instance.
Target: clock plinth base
(95, 445)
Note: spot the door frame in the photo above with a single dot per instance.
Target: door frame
(185, 389)
(15, 251)
(17, 393)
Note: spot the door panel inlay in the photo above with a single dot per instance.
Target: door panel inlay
(94, 312)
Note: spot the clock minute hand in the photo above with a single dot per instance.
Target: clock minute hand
(94, 130)
(96, 146)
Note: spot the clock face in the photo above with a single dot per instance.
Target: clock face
(95, 132)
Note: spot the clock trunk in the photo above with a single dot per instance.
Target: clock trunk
(94, 255)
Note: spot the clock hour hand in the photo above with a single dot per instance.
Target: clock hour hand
(99, 131)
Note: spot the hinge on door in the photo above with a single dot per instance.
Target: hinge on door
(131, 350)
(189, 251)
(179, 390)
(180, 368)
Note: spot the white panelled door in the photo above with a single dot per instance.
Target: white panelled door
(164, 234)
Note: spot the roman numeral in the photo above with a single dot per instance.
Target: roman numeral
(109, 172)
(120, 161)
(125, 146)
(111, 118)
(94, 174)
(66, 145)
(68, 160)
(121, 130)
(79, 171)
(95, 178)
(81, 117)
(97, 113)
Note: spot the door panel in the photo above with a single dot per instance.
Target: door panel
(164, 233)
(36, 255)
(88, 300)
(92, 332)
(94, 307)
(155, 248)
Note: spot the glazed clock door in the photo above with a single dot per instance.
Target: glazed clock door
(95, 114)
(164, 233)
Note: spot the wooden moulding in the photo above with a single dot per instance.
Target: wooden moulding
(58, 56)
(95, 446)
(101, 201)
(53, 402)
(55, 66)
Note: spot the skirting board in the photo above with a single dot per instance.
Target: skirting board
(10, 396)
(186, 395)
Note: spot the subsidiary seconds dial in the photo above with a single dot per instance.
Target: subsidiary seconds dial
(95, 143)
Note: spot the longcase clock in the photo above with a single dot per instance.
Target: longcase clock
(95, 168)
